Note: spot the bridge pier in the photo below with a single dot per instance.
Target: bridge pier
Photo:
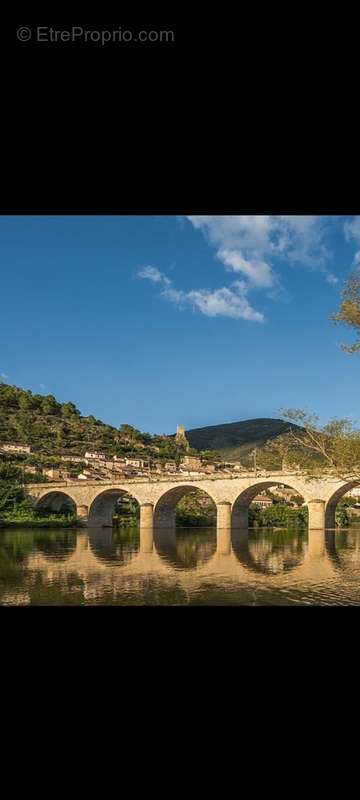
(146, 527)
(146, 515)
(316, 543)
(223, 541)
(223, 509)
(82, 514)
(316, 514)
(146, 540)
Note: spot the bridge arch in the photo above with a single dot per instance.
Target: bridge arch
(56, 501)
(240, 508)
(165, 508)
(332, 502)
(102, 507)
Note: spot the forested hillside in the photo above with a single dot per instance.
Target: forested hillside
(59, 428)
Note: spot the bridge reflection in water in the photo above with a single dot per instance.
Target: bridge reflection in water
(160, 566)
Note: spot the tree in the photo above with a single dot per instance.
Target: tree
(210, 455)
(315, 449)
(129, 431)
(26, 402)
(349, 311)
(49, 405)
(341, 517)
(68, 409)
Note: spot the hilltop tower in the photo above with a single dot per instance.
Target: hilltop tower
(180, 437)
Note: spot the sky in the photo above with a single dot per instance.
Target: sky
(156, 321)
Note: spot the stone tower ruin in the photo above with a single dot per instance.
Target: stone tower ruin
(180, 437)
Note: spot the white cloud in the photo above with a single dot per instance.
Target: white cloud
(175, 295)
(4, 376)
(330, 278)
(225, 302)
(352, 230)
(254, 240)
(153, 274)
(259, 273)
(240, 232)
(300, 238)
(247, 245)
(352, 234)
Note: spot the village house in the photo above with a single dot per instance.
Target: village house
(191, 474)
(170, 466)
(239, 467)
(136, 462)
(119, 468)
(16, 448)
(157, 468)
(96, 456)
(262, 501)
(283, 492)
(75, 459)
(191, 463)
(55, 474)
(88, 475)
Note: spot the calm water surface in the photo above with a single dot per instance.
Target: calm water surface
(104, 567)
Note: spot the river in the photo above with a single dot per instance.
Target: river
(119, 567)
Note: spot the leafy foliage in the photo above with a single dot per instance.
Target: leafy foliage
(195, 509)
(315, 449)
(279, 515)
(349, 311)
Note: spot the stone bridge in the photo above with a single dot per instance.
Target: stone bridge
(94, 502)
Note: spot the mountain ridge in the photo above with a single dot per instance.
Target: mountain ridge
(235, 440)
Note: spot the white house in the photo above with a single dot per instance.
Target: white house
(262, 500)
(136, 462)
(16, 448)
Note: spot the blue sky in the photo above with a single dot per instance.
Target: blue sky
(196, 320)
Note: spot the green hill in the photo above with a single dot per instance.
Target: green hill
(235, 440)
(54, 428)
